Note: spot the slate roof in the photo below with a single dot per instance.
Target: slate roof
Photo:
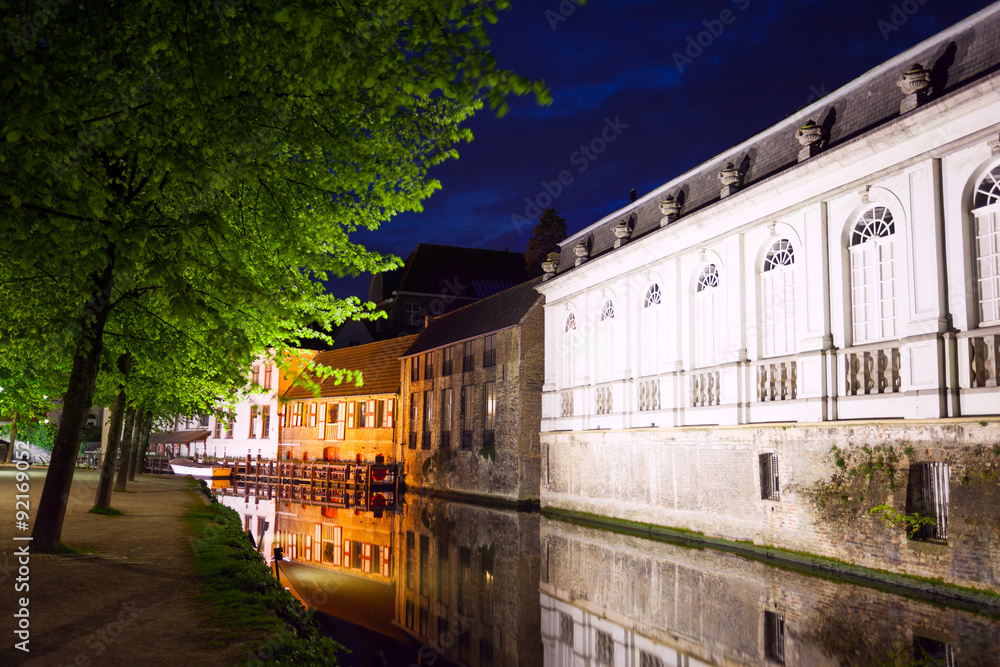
(956, 58)
(468, 272)
(378, 363)
(480, 318)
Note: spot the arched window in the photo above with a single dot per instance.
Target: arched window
(706, 317)
(605, 341)
(987, 232)
(650, 343)
(873, 276)
(570, 343)
(777, 300)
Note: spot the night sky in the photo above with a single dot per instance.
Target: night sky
(668, 84)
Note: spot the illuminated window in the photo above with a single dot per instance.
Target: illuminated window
(706, 299)
(873, 276)
(777, 300)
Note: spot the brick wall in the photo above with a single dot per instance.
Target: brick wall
(511, 470)
(708, 480)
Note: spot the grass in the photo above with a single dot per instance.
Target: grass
(106, 511)
(63, 549)
(245, 600)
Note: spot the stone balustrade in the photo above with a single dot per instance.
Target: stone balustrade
(872, 371)
(704, 388)
(777, 381)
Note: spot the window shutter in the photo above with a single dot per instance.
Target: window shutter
(370, 414)
(342, 422)
(390, 409)
(350, 414)
(321, 434)
(312, 414)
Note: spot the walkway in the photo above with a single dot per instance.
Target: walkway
(130, 601)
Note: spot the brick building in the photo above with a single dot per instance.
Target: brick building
(346, 422)
(832, 282)
(471, 399)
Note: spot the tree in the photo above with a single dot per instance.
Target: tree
(207, 163)
(550, 230)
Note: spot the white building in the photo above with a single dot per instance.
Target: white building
(838, 273)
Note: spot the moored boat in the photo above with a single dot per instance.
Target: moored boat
(195, 469)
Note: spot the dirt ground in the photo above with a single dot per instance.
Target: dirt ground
(129, 602)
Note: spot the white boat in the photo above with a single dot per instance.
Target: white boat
(201, 470)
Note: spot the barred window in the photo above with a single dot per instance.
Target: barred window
(774, 636)
(769, 483)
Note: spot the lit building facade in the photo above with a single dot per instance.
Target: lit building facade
(822, 299)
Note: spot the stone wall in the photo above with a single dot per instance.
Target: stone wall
(708, 480)
(508, 470)
(668, 601)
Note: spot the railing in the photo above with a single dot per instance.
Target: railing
(983, 369)
(445, 439)
(873, 371)
(649, 395)
(467, 362)
(777, 381)
(425, 441)
(566, 403)
(489, 358)
(602, 401)
(704, 388)
(446, 367)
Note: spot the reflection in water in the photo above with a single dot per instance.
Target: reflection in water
(442, 583)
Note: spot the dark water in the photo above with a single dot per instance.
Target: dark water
(440, 583)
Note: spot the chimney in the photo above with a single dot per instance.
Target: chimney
(427, 320)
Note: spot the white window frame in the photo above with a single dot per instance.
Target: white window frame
(650, 316)
(705, 317)
(873, 270)
(777, 299)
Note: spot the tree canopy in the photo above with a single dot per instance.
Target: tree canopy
(199, 168)
(550, 230)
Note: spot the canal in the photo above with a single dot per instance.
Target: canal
(432, 582)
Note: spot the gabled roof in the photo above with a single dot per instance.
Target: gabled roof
(494, 313)
(378, 363)
(177, 437)
(453, 271)
(957, 57)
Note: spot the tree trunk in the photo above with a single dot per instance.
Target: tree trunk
(9, 456)
(143, 445)
(76, 407)
(103, 498)
(126, 450)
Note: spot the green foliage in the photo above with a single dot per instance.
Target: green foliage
(911, 523)
(873, 463)
(40, 434)
(488, 452)
(246, 598)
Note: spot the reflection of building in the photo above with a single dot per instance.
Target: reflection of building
(707, 348)
(257, 515)
(347, 422)
(436, 279)
(611, 599)
(467, 582)
(471, 401)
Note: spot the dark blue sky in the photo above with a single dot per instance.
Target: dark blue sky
(612, 69)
